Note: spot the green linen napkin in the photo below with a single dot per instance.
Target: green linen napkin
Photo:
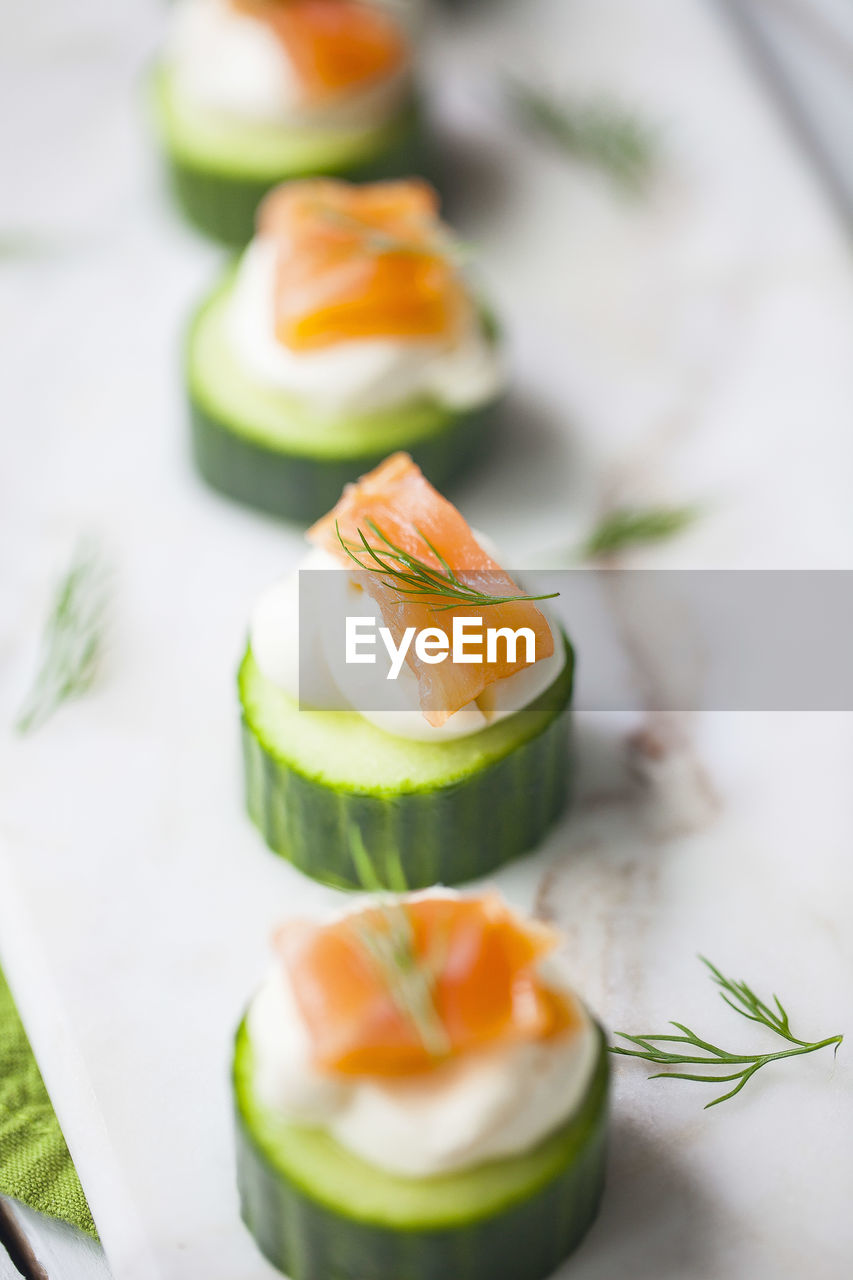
(35, 1165)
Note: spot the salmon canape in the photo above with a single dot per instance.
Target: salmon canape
(250, 93)
(440, 728)
(407, 511)
(347, 330)
(419, 1092)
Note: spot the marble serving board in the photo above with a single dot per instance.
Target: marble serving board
(690, 346)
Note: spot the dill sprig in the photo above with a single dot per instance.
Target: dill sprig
(367, 872)
(636, 526)
(411, 576)
(391, 948)
(73, 638)
(379, 240)
(743, 1000)
(597, 131)
(376, 239)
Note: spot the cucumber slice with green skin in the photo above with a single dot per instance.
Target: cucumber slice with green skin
(274, 452)
(450, 811)
(221, 169)
(318, 1212)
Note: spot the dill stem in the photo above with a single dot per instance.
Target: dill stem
(743, 1000)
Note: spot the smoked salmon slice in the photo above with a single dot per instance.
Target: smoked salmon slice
(360, 262)
(372, 985)
(335, 45)
(399, 501)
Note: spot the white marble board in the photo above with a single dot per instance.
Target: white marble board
(692, 346)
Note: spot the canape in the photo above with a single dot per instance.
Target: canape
(453, 766)
(250, 93)
(420, 1094)
(346, 331)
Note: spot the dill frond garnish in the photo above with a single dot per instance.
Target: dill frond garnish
(409, 575)
(699, 1052)
(636, 526)
(378, 240)
(391, 948)
(597, 131)
(73, 638)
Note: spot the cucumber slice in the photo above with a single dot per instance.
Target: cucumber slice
(221, 168)
(318, 1212)
(450, 811)
(274, 452)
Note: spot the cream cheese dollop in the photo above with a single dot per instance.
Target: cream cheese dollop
(460, 372)
(230, 64)
(327, 681)
(485, 1106)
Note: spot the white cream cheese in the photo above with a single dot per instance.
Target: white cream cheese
(329, 681)
(358, 376)
(488, 1105)
(231, 64)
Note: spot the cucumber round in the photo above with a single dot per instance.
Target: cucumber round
(318, 1212)
(274, 452)
(450, 811)
(221, 168)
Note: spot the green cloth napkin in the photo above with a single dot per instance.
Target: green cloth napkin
(35, 1164)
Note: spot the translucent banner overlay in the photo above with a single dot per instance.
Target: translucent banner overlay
(717, 640)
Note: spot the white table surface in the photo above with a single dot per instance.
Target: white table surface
(805, 48)
(693, 346)
(55, 1251)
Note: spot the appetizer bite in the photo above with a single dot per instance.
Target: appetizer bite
(252, 92)
(419, 1094)
(451, 762)
(346, 331)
